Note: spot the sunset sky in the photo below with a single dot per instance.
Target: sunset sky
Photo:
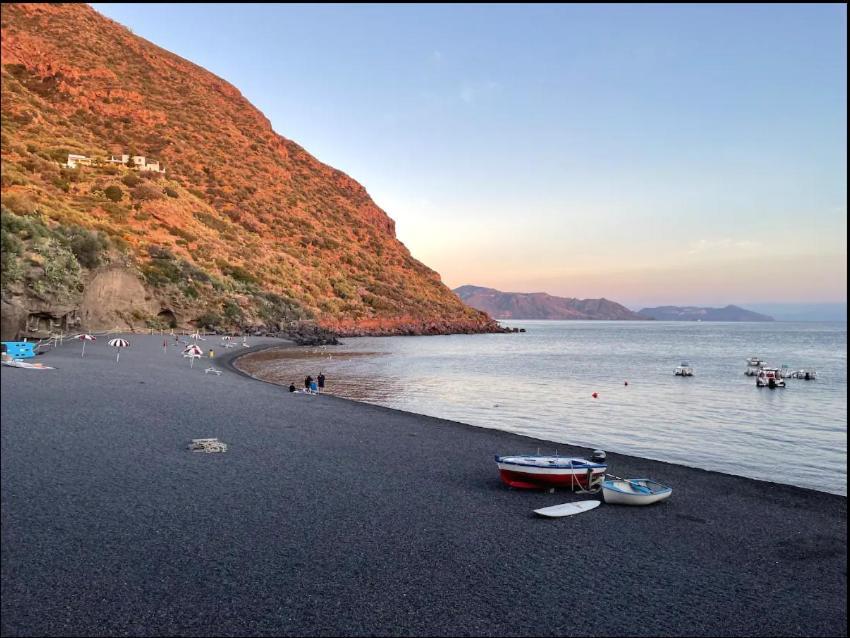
(648, 154)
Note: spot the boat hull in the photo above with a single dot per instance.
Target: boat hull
(619, 493)
(537, 478)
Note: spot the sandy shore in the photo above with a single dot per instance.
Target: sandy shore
(330, 517)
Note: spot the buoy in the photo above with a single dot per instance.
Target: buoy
(595, 395)
(627, 383)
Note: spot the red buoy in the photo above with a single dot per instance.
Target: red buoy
(595, 394)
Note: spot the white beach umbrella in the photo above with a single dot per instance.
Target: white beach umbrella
(197, 335)
(227, 338)
(84, 338)
(119, 343)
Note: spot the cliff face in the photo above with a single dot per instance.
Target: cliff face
(693, 313)
(539, 305)
(244, 227)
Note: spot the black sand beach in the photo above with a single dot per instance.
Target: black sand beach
(330, 517)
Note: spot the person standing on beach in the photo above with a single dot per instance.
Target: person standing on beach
(307, 381)
(321, 380)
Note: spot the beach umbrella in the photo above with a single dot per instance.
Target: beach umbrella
(197, 335)
(227, 338)
(119, 343)
(193, 352)
(84, 338)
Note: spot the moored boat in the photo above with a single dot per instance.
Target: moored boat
(754, 364)
(806, 374)
(642, 491)
(769, 378)
(684, 370)
(542, 471)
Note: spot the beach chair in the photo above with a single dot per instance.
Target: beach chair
(212, 371)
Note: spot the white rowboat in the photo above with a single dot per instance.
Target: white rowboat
(641, 491)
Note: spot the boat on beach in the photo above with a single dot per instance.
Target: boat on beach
(542, 471)
(684, 370)
(641, 491)
(769, 378)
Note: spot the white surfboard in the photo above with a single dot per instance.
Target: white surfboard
(567, 509)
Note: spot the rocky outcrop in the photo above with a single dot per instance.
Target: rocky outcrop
(116, 297)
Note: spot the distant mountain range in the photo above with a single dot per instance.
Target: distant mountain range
(694, 313)
(827, 311)
(540, 305)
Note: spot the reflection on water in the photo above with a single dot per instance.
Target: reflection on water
(540, 383)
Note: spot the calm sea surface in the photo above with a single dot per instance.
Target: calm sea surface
(539, 383)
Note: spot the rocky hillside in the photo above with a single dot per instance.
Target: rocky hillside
(693, 313)
(243, 229)
(539, 305)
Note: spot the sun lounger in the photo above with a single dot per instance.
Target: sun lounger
(212, 371)
(15, 363)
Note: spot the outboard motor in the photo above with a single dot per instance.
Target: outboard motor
(598, 456)
(771, 383)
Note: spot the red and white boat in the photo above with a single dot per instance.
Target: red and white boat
(536, 471)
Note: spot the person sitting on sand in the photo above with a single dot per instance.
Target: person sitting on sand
(291, 387)
(321, 380)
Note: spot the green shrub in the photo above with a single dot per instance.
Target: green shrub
(113, 193)
(130, 180)
(209, 320)
(62, 273)
(146, 192)
(161, 272)
(170, 192)
(88, 247)
(179, 232)
(210, 220)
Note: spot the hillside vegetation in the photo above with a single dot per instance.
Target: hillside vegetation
(244, 228)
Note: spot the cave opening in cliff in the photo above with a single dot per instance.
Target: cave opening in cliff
(167, 317)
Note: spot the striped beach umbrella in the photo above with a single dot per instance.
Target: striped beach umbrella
(193, 352)
(118, 343)
(84, 338)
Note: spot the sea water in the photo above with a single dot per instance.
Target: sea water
(541, 383)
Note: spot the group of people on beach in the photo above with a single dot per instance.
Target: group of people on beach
(311, 385)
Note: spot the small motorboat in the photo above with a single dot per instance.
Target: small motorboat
(769, 378)
(642, 491)
(684, 370)
(541, 471)
(805, 374)
(754, 364)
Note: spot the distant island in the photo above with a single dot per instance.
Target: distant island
(540, 305)
(693, 313)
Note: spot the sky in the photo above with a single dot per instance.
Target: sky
(649, 154)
